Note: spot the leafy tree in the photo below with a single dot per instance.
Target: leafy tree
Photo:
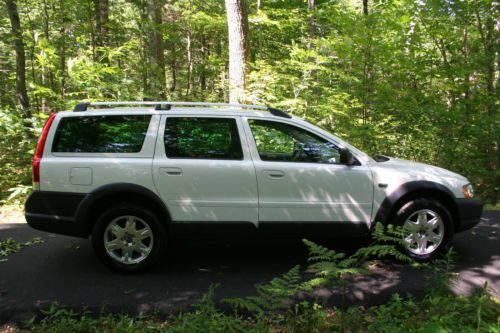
(411, 79)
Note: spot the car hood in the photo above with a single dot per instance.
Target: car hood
(410, 170)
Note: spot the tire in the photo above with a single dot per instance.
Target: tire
(428, 228)
(128, 238)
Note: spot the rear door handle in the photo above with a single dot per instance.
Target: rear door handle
(274, 174)
(172, 171)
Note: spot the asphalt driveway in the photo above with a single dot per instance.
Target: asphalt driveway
(65, 270)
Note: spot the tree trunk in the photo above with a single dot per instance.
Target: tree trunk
(90, 17)
(144, 47)
(189, 56)
(101, 8)
(467, 74)
(156, 49)
(173, 67)
(46, 32)
(367, 66)
(63, 68)
(237, 24)
(21, 94)
(31, 56)
(203, 79)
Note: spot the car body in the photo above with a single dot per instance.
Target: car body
(220, 170)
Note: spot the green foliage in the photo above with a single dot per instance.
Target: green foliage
(329, 266)
(445, 313)
(440, 273)
(332, 267)
(59, 319)
(16, 152)
(207, 318)
(412, 79)
(388, 242)
(435, 313)
(9, 246)
(203, 318)
(271, 296)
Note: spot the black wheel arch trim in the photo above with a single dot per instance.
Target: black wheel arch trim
(84, 210)
(394, 200)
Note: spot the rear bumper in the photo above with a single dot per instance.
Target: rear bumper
(55, 212)
(469, 213)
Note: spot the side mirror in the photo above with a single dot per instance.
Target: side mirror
(347, 158)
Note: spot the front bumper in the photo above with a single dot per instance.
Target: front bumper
(469, 213)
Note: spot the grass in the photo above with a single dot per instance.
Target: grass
(492, 207)
(433, 313)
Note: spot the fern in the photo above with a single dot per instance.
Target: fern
(388, 243)
(381, 251)
(388, 234)
(440, 273)
(329, 267)
(319, 253)
(271, 296)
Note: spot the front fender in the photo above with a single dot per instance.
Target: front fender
(406, 191)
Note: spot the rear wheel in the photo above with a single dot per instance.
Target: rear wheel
(427, 228)
(128, 238)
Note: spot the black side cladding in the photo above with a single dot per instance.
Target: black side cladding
(55, 212)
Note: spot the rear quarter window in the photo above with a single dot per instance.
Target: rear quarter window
(101, 134)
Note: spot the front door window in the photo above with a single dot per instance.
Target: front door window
(286, 143)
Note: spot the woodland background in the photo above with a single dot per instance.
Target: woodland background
(415, 79)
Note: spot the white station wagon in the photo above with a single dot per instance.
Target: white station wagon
(132, 175)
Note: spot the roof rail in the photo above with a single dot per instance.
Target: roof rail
(81, 107)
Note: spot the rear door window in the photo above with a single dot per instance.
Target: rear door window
(202, 138)
(101, 134)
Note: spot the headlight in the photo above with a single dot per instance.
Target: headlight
(468, 191)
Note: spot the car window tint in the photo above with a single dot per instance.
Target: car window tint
(101, 134)
(202, 138)
(277, 141)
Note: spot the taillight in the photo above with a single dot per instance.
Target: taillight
(39, 152)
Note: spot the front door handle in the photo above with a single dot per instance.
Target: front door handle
(172, 171)
(274, 174)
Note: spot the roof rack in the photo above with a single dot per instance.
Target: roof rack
(165, 106)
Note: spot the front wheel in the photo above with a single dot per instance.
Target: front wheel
(128, 238)
(427, 228)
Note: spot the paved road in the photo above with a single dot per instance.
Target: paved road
(65, 270)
